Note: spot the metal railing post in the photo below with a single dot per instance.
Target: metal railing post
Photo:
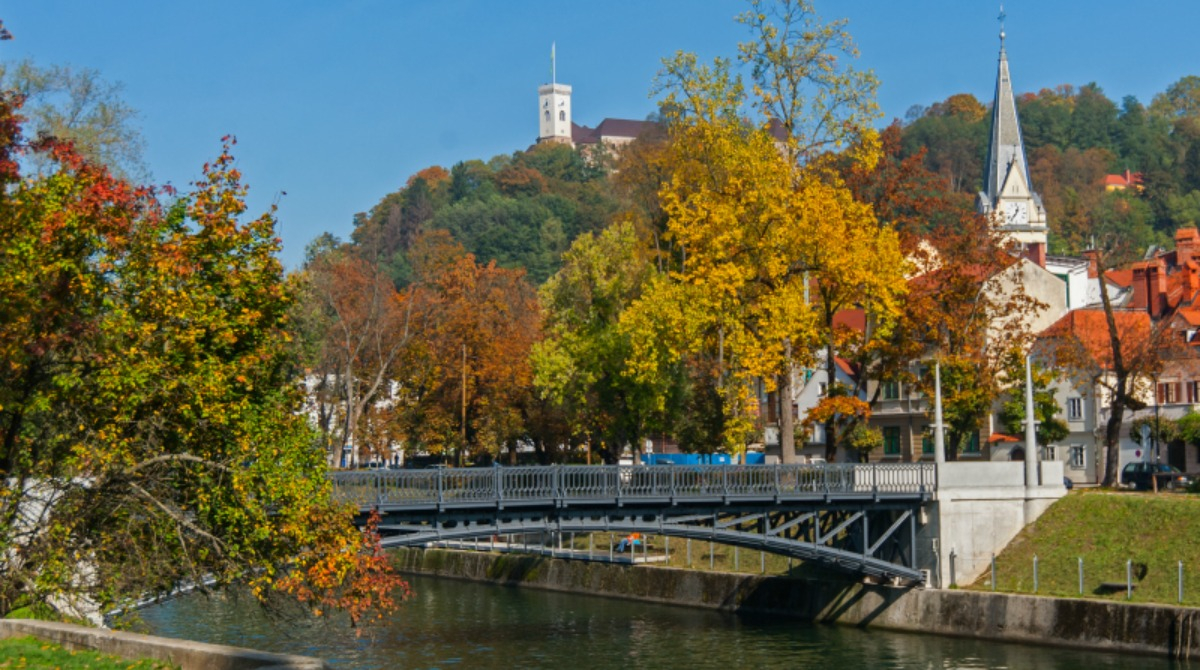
(440, 486)
(1181, 582)
(1129, 579)
(1035, 573)
(993, 572)
(1080, 559)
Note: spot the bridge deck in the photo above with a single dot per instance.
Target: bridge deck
(556, 486)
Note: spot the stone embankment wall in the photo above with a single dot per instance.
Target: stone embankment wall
(1095, 624)
(186, 654)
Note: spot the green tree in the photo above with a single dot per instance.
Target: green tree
(581, 363)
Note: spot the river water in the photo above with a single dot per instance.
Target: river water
(454, 624)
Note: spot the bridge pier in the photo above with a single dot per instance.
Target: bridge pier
(979, 508)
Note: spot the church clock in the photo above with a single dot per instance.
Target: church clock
(1016, 213)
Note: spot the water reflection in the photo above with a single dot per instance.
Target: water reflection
(451, 624)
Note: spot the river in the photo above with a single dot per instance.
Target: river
(455, 624)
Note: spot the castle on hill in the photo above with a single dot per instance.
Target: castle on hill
(555, 123)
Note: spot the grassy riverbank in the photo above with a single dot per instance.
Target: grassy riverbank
(30, 652)
(1106, 529)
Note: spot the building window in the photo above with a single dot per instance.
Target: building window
(562, 115)
(972, 446)
(1168, 393)
(891, 390)
(891, 440)
(1075, 409)
(1075, 457)
(547, 115)
(1049, 453)
(822, 388)
(927, 442)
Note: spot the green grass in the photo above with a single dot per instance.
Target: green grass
(30, 652)
(1106, 529)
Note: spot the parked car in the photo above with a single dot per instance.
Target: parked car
(1140, 476)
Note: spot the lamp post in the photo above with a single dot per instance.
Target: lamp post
(939, 436)
(1031, 446)
(1157, 422)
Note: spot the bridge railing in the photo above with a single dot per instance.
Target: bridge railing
(556, 483)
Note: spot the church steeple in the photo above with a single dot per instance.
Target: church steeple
(1008, 196)
(1006, 149)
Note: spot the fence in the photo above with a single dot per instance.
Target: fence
(1146, 579)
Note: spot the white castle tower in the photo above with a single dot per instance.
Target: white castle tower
(1008, 196)
(554, 109)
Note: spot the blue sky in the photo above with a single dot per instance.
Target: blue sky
(337, 103)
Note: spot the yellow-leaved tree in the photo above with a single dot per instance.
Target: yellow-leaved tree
(772, 242)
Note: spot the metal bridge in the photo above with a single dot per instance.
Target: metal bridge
(857, 518)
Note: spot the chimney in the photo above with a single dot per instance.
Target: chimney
(1093, 259)
(1141, 287)
(1156, 280)
(1185, 245)
(1036, 252)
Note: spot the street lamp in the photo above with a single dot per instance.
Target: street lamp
(1157, 421)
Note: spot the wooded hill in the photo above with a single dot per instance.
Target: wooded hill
(1073, 138)
(525, 209)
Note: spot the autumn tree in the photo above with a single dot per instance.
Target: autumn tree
(358, 327)
(1115, 350)
(965, 307)
(466, 385)
(751, 212)
(148, 416)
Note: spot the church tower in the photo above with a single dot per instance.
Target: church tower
(554, 109)
(1008, 196)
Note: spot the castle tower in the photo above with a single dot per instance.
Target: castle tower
(1008, 196)
(554, 109)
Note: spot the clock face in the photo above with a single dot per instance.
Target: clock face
(1016, 213)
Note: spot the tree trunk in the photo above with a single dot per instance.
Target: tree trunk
(1120, 393)
(787, 422)
(1112, 438)
(830, 384)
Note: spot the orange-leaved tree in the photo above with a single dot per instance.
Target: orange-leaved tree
(467, 385)
(148, 413)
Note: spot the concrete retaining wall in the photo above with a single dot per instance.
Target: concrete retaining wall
(186, 654)
(979, 508)
(1149, 629)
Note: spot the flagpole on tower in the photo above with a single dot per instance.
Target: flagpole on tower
(553, 71)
